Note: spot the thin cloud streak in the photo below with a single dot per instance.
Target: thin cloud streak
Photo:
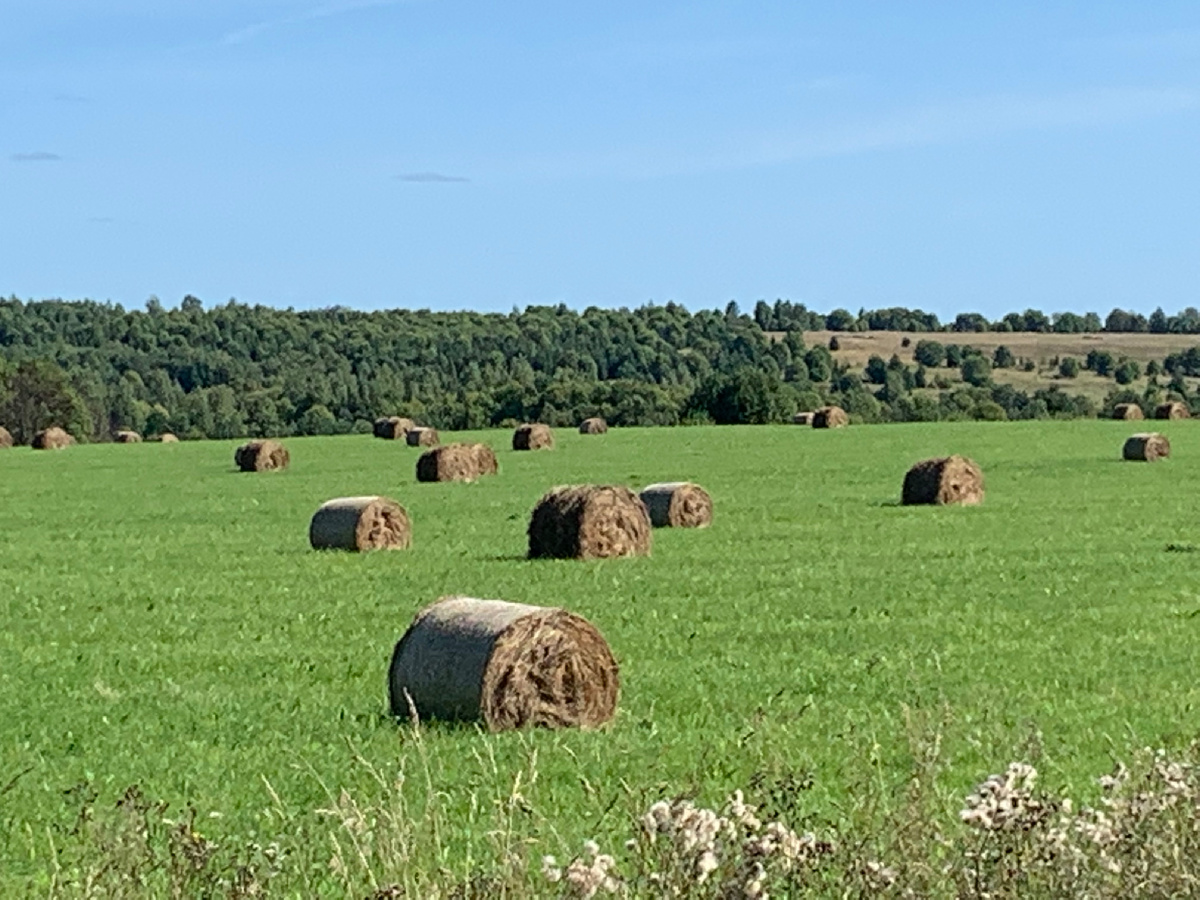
(432, 178)
(35, 156)
(326, 11)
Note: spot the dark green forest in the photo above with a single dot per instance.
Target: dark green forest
(235, 370)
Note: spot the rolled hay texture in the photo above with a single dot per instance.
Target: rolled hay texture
(167, 438)
(6, 438)
(393, 428)
(508, 664)
(945, 480)
(533, 436)
(588, 521)
(360, 523)
(1127, 411)
(1146, 447)
(830, 417)
(457, 462)
(677, 504)
(127, 437)
(802, 418)
(1172, 410)
(262, 456)
(53, 438)
(421, 437)
(594, 425)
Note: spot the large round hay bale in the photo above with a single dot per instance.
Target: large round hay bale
(677, 504)
(52, 438)
(507, 664)
(167, 438)
(457, 462)
(593, 425)
(360, 523)
(1172, 410)
(393, 428)
(945, 480)
(6, 438)
(421, 437)
(127, 437)
(830, 417)
(587, 521)
(262, 456)
(802, 418)
(1128, 411)
(533, 436)
(1146, 447)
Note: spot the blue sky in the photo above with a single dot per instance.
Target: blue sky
(465, 155)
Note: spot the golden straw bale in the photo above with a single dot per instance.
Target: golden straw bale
(360, 523)
(1172, 410)
(508, 665)
(533, 436)
(677, 504)
(457, 462)
(830, 417)
(803, 418)
(393, 428)
(594, 425)
(262, 456)
(6, 438)
(1146, 447)
(945, 480)
(167, 438)
(422, 437)
(588, 521)
(127, 437)
(1128, 411)
(52, 438)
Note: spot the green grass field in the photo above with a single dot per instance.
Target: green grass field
(165, 624)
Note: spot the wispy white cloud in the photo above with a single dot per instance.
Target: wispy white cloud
(432, 178)
(324, 11)
(35, 156)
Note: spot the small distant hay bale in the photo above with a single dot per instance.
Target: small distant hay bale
(588, 521)
(508, 665)
(1146, 447)
(421, 437)
(677, 504)
(6, 438)
(457, 462)
(52, 438)
(360, 523)
(262, 456)
(167, 438)
(803, 418)
(945, 480)
(830, 417)
(594, 425)
(127, 437)
(533, 436)
(1128, 411)
(1172, 410)
(393, 428)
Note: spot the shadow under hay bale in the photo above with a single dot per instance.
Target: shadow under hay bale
(262, 456)
(508, 665)
(588, 521)
(392, 428)
(830, 417)
(677, 504)
(53, 438)
(943, 481)
(534, 436)
(1172, 410)
(802, 418)
(127, 437)
(1128, 411)
(421, 437)
(6, 438)
(457, 462)
(1146, 447)
(360, 523)
(594, 425)
(167, 438)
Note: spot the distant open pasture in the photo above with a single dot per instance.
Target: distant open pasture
(164, 623)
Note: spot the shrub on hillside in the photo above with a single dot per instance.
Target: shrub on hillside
(1127, 371)
(976, 370)
(1068, 367)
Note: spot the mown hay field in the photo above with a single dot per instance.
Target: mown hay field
(165, 623)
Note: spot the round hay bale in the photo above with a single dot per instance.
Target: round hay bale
(508, 664)
(393, 428)
(457, 462)
(802, 418)
(1146, 447)
(533, 436)
(127, 437)
(1127, 411)
(594, 425)
(6, 438)
(677, 504)
(945, 480)
(587, 521)
(360, 523)
(167, 438)
(1172, 410)
(830, 417)
(52, 438)
(421, 437)
(262, 456)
